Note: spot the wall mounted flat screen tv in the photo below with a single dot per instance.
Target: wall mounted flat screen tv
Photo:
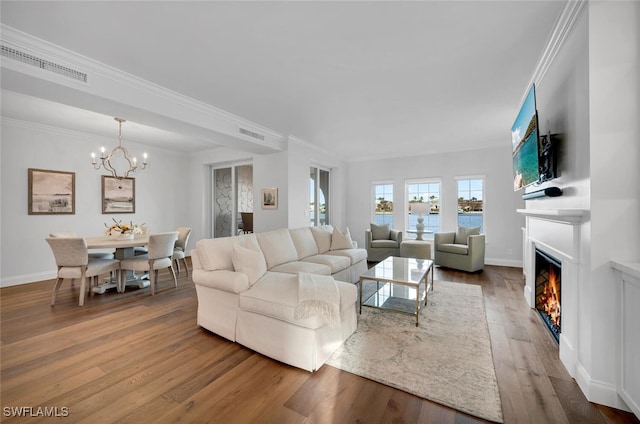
(524, 139)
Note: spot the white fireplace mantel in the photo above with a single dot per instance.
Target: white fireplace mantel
(569, 216)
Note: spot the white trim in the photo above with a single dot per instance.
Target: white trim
(562, 29)
(28, 278)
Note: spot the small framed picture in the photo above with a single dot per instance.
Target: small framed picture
(52, 192)
(118, 195)
(269, 198)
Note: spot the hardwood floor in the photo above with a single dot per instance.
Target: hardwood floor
(135, 358)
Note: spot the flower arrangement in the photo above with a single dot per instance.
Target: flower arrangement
(119, 228)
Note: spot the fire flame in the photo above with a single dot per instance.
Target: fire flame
(550, 297)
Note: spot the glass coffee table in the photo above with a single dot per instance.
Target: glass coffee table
(397, 284)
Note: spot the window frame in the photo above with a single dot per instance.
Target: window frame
(426, 180)
(482, 178)
(374, 200)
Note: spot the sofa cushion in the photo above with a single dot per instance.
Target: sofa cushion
(276, 296)
(341, 240)
(336, 263)
(277, 247)
(459, 249)
(322, 234)
(248, 259)
(301, 266)
(215, 253)
(380, 232)
(354, 255)
(464, 232)
(384, 243)
(304, 242)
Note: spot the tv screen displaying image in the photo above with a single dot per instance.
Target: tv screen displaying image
(524, 139)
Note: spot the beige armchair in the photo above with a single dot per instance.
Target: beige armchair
(382, 242)
(463, 250)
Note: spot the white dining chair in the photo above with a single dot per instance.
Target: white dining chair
(160, 253)
(180, 249)
(73, 261)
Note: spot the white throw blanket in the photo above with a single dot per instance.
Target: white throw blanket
(318, 295)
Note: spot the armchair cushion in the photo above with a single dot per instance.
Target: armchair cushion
(463, 234)
(380, 232)
(458, 249)
(384, 243)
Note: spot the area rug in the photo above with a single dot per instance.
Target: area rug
(447, 359)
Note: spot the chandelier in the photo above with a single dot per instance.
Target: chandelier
(119, 150)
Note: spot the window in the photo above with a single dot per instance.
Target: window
(383, 204)
(423, 192)
(471, 203)
(318, 196)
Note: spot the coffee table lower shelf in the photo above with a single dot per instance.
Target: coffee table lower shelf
(402, 285)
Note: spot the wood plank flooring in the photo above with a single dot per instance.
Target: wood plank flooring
(133, 358)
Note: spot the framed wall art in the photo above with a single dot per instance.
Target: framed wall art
(52, 192)
(118, 195)
(269, 198)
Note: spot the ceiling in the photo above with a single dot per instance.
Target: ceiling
(360, 79)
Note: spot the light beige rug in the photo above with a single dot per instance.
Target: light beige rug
(447, 359)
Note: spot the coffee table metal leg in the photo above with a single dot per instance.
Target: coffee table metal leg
(360, 295)
(418, 303)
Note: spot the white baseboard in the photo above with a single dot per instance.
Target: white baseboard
(27, 278)
(599, 391)
(503, 262)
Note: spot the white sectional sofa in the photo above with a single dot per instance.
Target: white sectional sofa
(247, 288)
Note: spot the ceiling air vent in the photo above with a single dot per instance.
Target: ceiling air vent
(251, 134)
(43, 64)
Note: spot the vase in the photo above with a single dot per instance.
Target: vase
(125, 236)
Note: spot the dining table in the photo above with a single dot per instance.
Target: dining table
(124, 248)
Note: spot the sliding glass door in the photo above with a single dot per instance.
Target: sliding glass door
(232, 195)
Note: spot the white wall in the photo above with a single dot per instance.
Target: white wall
(614, 89)
(25, 256)
(502, 223)
(591, 95)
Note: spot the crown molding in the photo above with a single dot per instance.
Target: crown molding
(562, 29)
(54, 53)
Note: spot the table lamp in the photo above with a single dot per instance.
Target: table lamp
(419, 209)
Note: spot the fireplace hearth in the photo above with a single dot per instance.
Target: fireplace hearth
(547, 291)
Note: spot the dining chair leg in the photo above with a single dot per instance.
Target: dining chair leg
(186, 266)
(175, 280)
(177, 261)
(83, 288)
(56, 286)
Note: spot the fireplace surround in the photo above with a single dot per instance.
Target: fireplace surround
(557, 232)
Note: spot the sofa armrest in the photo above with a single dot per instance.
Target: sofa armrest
(396, 235)
(224, 280)
(368, 238)
(443, 238)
